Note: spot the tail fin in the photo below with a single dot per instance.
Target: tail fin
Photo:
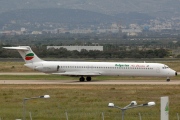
(27, 54)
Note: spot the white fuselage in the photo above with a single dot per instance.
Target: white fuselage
(89, 69)
(102, 68)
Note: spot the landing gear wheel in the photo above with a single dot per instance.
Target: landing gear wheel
(88, 78)
(81, 79)
(168, 80)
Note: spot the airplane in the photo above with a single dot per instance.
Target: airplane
(89, 69)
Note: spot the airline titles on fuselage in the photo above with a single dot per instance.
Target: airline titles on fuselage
(126, 65)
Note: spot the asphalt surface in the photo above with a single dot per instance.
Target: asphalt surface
(112, 82)
(99, 82)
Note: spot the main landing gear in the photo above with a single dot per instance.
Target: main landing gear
(82, 79)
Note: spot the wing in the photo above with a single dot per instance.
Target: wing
(79, 73)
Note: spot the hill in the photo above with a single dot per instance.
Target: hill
(110, 7)
(68, 16)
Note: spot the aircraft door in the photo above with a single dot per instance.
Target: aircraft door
(158, 70)
(58, 68)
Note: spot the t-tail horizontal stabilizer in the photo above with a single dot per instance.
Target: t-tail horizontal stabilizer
(27, 54)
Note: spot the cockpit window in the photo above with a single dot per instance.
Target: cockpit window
(165, 67)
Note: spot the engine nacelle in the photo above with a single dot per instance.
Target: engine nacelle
(47, 69)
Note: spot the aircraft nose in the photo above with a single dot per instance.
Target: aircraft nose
(176, 73)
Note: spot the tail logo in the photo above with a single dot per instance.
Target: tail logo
(29, 56)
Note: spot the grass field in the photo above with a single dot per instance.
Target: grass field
(14, 67)
(86, 101)
(83, 101)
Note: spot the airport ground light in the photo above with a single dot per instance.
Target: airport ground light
(133, 104)
(24, 102)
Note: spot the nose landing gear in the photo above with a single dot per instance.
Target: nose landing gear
(168, 79)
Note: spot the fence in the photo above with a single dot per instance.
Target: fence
(97, 116)
(111, 116)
